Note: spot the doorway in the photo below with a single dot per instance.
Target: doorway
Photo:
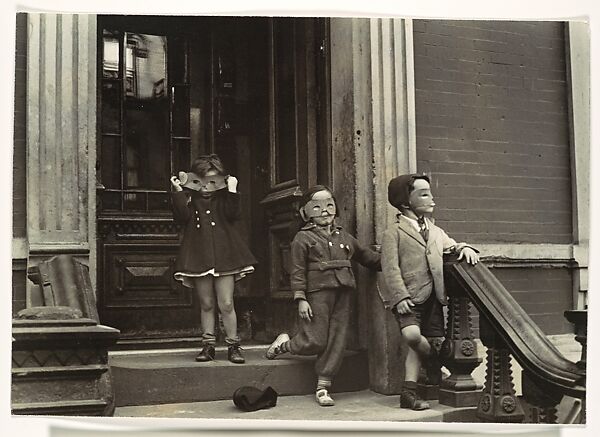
(252, 90)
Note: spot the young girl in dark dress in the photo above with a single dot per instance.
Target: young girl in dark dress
(212, 255)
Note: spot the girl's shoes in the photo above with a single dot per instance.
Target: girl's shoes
(323, 398)
(206, 354)
(275, 348)
(234, 354)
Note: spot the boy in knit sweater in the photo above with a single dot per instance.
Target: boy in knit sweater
(412, 265)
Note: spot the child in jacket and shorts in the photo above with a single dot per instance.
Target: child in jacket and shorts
(412, 265)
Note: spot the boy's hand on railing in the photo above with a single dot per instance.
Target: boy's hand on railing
(304, 310)
(469, 255)
(405, 306)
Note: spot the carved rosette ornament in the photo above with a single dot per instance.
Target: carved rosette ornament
(508, 404)
(467, 347)
(485, 402)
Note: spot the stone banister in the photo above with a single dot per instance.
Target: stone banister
(506, 329)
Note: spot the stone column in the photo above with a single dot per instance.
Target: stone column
(578, 69)
(372, 92)
(61, 136)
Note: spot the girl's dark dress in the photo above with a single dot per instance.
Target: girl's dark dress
(211, 243)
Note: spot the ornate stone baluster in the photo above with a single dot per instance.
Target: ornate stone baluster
(499, 402)
(540, 402)
(579, 319)
(459, 354)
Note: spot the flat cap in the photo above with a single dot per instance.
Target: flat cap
(250, 398)
(398, 188)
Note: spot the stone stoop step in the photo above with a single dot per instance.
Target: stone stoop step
(363, 405)
(167, 377)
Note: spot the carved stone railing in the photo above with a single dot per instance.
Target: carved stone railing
(59, 349)
(505, 330)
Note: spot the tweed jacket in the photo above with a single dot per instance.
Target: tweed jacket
(413, 268)
(321, 260)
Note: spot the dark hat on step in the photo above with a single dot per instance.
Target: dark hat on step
(249, 398)
(399, 188)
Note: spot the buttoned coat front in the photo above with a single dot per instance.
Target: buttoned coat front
(210, 238)
(413, 268)
(321, 260)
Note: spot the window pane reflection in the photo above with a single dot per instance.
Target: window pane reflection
(146, 112)
(141, 141)
(110, 64)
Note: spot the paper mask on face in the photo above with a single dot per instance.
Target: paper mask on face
(212, 182)
(420, 199)
(206, 184)
(316, 208)
(190, 180)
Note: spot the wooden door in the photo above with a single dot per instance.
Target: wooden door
(144, 137)
(299, 146)
(254, 91)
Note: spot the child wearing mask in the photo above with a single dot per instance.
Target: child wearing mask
(322, 281)
(212, 255)
(412, 265)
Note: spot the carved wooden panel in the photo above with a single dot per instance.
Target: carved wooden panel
(279, 251)
(141, 275)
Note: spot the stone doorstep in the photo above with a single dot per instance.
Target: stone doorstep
(173, 376)
(354, 406)
(224, 408)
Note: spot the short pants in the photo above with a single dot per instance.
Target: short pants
(428, 316)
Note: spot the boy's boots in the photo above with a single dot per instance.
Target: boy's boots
(409, 398)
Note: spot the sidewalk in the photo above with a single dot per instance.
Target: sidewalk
(362, 405)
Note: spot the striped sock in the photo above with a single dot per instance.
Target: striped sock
(323, 382)
(284, 347)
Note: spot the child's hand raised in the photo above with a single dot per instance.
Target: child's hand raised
(304, 310)
(232, 183)
(405, 306)
(176, 183)
(469, 255)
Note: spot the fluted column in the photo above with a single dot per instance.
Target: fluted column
(61, 135)
(372, 102)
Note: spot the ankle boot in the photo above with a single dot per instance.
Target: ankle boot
(234, 354)
(207, 353)
(409, 399)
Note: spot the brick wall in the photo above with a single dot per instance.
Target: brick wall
(543, 292)
(493, 132)
(19, 163)
(492, 128)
